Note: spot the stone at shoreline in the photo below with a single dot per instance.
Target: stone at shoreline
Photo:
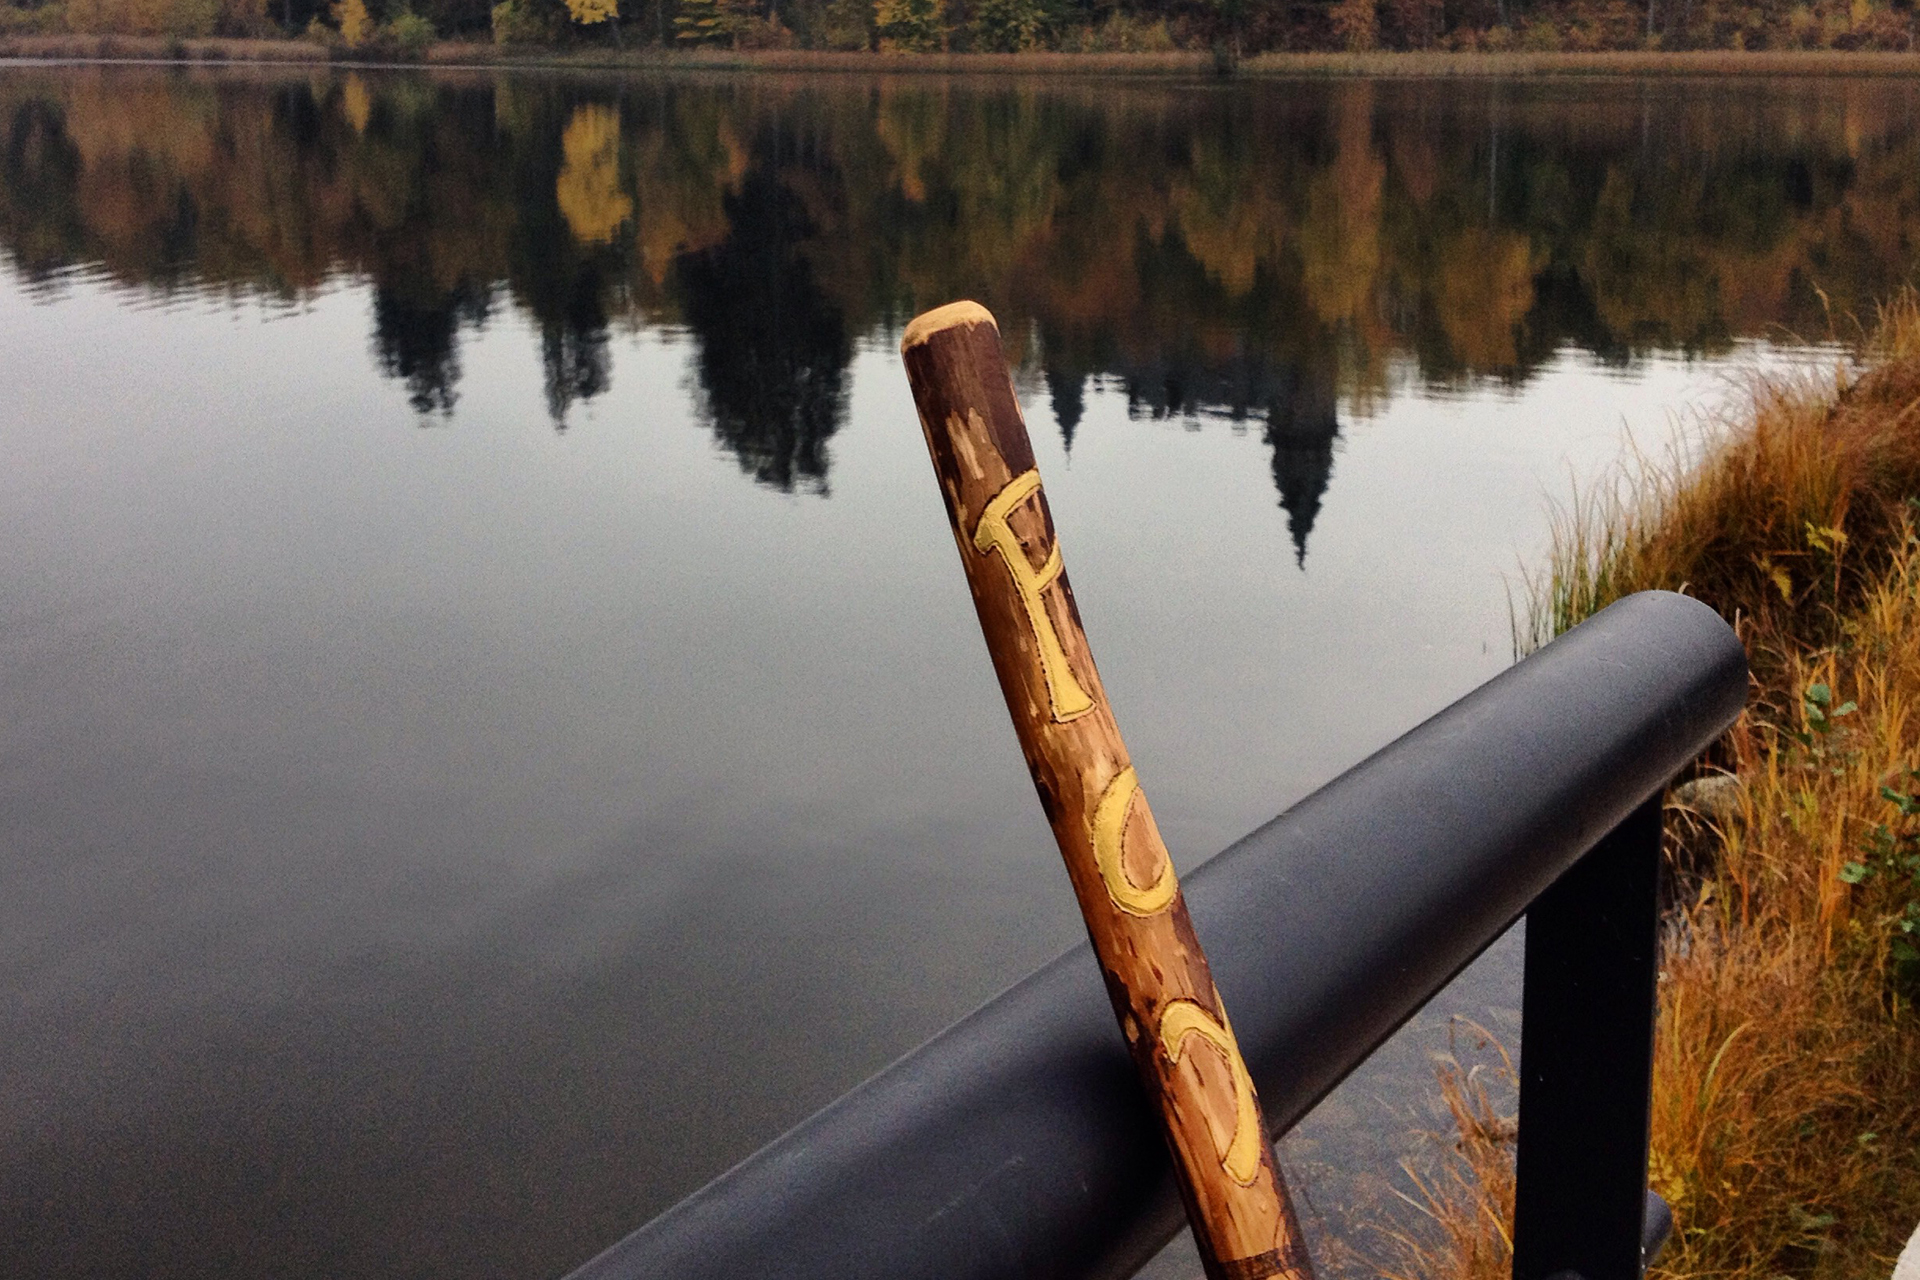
(1715, 797)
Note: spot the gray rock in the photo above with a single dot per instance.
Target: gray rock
(1715, 797)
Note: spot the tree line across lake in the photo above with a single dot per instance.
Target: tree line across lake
(1229, 28)
(1258, 256)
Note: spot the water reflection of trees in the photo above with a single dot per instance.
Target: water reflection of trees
(1262, 253)
(415, 338)
(774, 349)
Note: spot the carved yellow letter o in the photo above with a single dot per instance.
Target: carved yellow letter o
(1109, 852)
(1240, 1155)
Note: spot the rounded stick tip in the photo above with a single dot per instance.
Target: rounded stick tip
(951, 316)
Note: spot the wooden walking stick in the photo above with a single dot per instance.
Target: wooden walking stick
(1157, 976)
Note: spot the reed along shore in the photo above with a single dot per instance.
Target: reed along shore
(1786, 1116)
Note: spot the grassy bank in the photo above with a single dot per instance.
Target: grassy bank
(1708, 62)
(1786, 1129)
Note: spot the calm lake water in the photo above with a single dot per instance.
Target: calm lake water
(491, 726)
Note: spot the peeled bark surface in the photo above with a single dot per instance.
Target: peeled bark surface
(1156, 974)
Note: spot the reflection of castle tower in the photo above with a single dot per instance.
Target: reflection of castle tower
(1068, 393)
(1069, 361)
(774, 349)
(1301, 428)
(1299, 401)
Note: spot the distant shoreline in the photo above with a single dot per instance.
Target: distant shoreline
(214, 51)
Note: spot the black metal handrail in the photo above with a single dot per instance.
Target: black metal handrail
(1015, 1144)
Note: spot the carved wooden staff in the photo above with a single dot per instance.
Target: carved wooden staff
(1157, 976)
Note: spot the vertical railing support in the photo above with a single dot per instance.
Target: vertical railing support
(1586, 1061)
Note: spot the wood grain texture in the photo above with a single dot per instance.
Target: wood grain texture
(1162, 991)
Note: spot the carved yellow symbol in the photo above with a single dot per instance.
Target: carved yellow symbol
(1109, 852)
(993, 533)
(1241, 1155)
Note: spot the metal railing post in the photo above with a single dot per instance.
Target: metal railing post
(1586, 1061)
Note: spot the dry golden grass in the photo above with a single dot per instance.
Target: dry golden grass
(1786, 1107)
(1787, 1071)
(1469, 1201)
(1783, 522)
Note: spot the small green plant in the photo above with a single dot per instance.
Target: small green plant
(1891, 854)
(1821, 717)
(409, 32)
(1822, 721)
(521, 22)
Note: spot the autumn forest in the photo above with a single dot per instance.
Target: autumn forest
(1258, 257)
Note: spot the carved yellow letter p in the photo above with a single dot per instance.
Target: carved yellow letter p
(1065, 697)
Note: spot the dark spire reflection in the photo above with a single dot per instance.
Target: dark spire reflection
(417, 340)
(1068, 392)
(1301, 429)
(773, 349)
(1298, 402)
(573, 345)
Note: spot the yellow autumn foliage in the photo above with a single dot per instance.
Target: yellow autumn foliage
(1383, 235)
(356, 103)
(1482, 290)
(913, 128)
(1231, 222)
(685, 176)
(588, 12)
(355, 23)
(588, 187)
(1339, 228)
